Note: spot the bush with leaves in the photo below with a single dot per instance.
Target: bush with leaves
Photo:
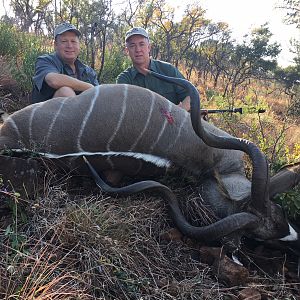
(9, 40)
(20, 50)
(115, 63)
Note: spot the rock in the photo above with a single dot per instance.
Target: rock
(226, 270)
(249, 294)
(20, 175)
(171, 235)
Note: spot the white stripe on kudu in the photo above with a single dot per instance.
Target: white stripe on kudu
(53, 121)
(158, 161)
(15, 127)
(170, 105)
(186, 119)
(87, 115)
(121, 118)
(147, 122)
(31, 119)
(110, 162)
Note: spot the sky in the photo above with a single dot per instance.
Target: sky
(242, 16)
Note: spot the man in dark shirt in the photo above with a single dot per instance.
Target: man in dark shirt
(62, 74)
(138, 48)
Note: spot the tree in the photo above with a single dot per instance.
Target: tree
(290, 76)
(29, 14)
(252, 59)
(292, 8)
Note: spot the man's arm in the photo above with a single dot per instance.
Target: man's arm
(57, 81)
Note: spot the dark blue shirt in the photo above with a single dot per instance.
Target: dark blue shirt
(51, 63)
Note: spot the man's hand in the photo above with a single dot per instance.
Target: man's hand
(142, 70)
(186, 103)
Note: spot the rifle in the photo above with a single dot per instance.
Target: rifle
(205, 112)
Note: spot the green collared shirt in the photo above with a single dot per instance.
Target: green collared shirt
(171, 91)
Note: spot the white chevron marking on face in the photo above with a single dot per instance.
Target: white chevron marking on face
(86, 117)
(293, 236)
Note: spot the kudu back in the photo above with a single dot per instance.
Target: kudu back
(134, 130)
(113, 122)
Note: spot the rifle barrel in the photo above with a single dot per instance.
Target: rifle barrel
(214, 111)
(233, 110)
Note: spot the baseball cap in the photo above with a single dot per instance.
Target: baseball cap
(136, 31)
(63, 27)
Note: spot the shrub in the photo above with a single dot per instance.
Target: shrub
(20, 50)
(9, 41)
(115, 63)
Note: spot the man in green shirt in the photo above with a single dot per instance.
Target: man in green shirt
(138, 48)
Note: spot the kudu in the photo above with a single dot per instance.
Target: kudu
(136, 131)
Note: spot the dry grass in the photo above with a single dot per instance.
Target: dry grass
(82, 244)
(277, 119)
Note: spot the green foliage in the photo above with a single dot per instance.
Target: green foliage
(24, 72)
(291, 202)
(292, 11)
(286, 156)
(30, 12)
(8, 40)
(248, 105)
(115, 63)
(210, 94)
(289, 77)
(21, 50)
(15, 237)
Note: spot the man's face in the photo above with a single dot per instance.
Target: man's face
(138, 49)
(67, 46)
